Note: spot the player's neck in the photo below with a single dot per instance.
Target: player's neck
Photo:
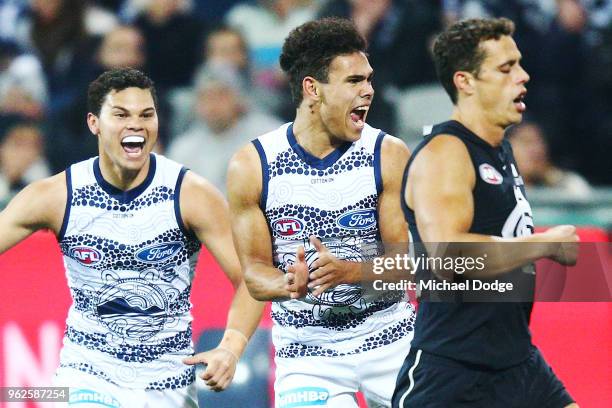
(121, 178)
(312, 135)
(476, 121)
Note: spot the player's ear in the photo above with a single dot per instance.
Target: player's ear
(93, 123)
(464, 82)
(310, 88)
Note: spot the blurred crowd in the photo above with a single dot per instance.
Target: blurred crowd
(215, 63)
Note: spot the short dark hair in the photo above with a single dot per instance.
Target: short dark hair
(458, 48)
(117, 80)
(310, 48)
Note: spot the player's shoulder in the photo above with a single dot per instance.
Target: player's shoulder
(445, 145)
(443, 156)
(394, 145)
(245, 158)
(164, 164)
(50, 187)
(198, 191)
(378, 138)
(249, 157)
(43, 202)
(193, 182)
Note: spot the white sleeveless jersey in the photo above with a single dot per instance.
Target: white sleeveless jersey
(129, 264)
(335, 199)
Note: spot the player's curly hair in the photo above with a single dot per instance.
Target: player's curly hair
(458, 48)
(117, 80)
(310, 48)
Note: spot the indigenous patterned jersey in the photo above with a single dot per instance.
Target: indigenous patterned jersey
(334, 199)
(129, 264)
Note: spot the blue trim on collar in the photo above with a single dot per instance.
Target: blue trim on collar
(313, 161)
(122, 196)
(377, 161)
(177, 203)
(265, 174)
(62, 230)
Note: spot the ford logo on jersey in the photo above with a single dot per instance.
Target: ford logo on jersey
(288, 227)
(85, 255)
(357, 219)
(158, 252)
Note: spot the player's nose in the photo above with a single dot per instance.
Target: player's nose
(523, 76)
(135, 124)
(367, 90)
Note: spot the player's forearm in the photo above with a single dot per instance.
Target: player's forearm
(266, 283)
(242, 320)
(499, 255)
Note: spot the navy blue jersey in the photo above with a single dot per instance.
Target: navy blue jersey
(488, 334)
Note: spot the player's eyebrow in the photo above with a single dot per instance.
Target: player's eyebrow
(359, 78)
(146, 110)
(511, 61)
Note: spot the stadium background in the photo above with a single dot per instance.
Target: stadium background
(225, 52)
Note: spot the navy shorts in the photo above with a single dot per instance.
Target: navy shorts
(429, 381)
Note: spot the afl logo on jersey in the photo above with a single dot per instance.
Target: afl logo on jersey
(288, 227)
(85, 255)
(357, 219)
(489, 174)
(158, 252)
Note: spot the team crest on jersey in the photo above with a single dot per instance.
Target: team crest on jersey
(86, 255)
(158, 252)
(288, 227)
(489, 174)
(357, 219)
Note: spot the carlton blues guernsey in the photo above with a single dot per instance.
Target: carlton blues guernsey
(488, 334)
(334, 199)
(129, 264)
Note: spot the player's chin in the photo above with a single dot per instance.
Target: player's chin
(513, 118)
(353, 131)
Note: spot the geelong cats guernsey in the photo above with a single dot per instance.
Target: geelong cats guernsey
(129, 264)
(334, 199)
(489, 334)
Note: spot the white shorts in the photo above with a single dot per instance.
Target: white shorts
(334, 381)
(88, 391)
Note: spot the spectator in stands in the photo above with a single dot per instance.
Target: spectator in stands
(265, 25)
(225, 121)
(399, 35)
(58, 37)
(14, 19)
(122, 47)
(225, 47)
(596, 143)
(173, 39)
(23, 89)
(536, 168)
(22, 159)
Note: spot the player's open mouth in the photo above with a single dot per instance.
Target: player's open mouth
(358, 116)
(133, 144)
(519, 103)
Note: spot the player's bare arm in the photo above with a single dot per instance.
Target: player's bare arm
(212, 228)
(331, 271)
(444, 211)
(40, 205)
(251, 234)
